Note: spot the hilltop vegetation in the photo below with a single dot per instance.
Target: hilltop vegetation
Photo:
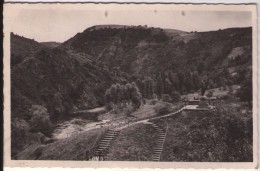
(22, 48)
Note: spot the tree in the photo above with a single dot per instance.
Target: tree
(166, 98)
(203, 87)
(40, 120)
(201, 67)
(128, 91)
(210, 84)
(159, 86)
(210, 93)
(108, 96)
(118, 93)
(182, 79)
(245, 92)
(196, 80)
(189, 82)
(108, 99)
(175, 81)
(19, 131)
(123, 93)
(176, 97)
(113, 94)
(167, 85)
(148, 88)
(136, 96)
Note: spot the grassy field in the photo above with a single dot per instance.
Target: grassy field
(224, 135)
(133, 144)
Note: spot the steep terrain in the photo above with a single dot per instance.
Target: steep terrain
(175, 58)
(76, 73)
(59, 81)
(22, 48)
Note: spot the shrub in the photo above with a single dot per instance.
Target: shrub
(40, 120)
(153, 101)
(245, 92)
(166, 98)
(176, 97)
(210, 93)
(162, 108)
(227, 134)
(109, 106)
(128, 110)
(19, 131)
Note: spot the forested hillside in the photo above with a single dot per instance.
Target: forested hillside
(22, 48)
(169, 59)
(116, 65)
(76, 74)
(59, 81)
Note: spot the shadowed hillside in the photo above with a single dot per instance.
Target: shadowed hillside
(59, 81)
(172, 58)
(22, 48)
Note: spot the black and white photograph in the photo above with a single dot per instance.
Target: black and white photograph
(147, 83)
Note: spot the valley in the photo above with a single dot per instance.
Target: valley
(126, 87)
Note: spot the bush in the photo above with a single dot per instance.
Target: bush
(228, 135)
(162, 108)
(210, 93)
(246, 91)
(128, 110)
(153, 101)
(176, 97)
(40, 120)
(109, 106)
(166, 98)
(19, 131)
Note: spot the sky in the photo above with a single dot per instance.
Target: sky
(60, 25)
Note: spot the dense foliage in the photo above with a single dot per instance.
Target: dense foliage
(245, 93)
(40, 120)
(119, 95)
(139, 62)
(19, 130)
(161, 62)
(224, 135)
